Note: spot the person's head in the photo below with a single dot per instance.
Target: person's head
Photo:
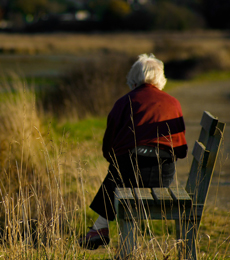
(147, 69)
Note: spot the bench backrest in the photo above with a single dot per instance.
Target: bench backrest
(205, 153)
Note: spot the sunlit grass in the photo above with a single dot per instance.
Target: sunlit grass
(90, 129)
(212, 76)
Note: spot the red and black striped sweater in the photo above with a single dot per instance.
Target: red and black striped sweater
(145, 116)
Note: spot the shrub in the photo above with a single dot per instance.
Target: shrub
(91, 87)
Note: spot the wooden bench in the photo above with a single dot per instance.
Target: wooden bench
(184, 205)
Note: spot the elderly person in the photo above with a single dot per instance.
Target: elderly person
(145, 135)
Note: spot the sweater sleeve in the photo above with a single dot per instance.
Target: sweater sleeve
(115, 121)
(108, 138)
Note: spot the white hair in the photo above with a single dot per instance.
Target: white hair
(147, 69)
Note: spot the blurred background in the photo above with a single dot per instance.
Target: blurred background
(110, 15)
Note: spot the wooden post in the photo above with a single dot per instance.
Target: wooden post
(124, 201)
(128, 237)
(186, 231)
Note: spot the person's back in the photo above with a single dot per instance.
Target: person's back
(145, 135)
(145, 116)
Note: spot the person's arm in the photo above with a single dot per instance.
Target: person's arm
(115, 122)
(108, 138)
(182, 149)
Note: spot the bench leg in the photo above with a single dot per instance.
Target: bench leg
(127, 238)
(187, 232)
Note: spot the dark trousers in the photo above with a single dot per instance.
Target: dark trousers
(134, 171)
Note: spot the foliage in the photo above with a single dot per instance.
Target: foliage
(169, 16)
(30, 7)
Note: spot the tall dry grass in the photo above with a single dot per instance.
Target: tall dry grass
(43, 182)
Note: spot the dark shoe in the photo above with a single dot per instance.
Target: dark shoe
(95, 238)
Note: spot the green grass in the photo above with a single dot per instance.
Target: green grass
(89, 129)
(212, 76)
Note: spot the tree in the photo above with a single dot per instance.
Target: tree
(33, 7)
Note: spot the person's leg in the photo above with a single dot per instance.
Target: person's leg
(103, 204)
(99, 233)
(141, 171)
(156, 172)
(168, 172)
(100, 223)
(136, 172)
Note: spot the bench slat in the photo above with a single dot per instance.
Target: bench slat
(209, 122)
(124, 194)
(123, 201)
(162, 196)
(144, 194)
(180, 195)
(200, 153)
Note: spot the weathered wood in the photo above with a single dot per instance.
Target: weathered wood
(124, 193)
(181, 196)
(166, 212)
(144, 194)
(144, 200)
(200, 153)
(186, 233)
(206, 174)
(208, 123)
(162, 196)
(127, 237)
(198, 169)
(124, 203)
(124, 200)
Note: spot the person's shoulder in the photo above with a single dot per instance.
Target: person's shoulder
(121, 103)
(124, 99)
(169, 97)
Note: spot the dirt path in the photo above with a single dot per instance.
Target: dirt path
(215, 98)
